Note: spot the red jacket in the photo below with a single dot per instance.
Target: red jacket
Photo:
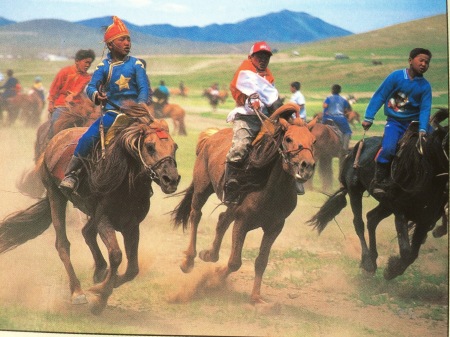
(67, 81)
(238, 96)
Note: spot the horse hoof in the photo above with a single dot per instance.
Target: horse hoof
(79, 299)
(186, 267)
(206, 256)
(98, 304)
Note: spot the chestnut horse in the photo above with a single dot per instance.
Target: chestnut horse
(418, 193)
(174, 111)
(267, 206)
(214, 100)
(327, 146)
(115, 195)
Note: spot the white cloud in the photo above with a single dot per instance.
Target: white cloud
(173, 8)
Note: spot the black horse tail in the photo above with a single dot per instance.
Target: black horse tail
(24, 225)
(332, 207)
(180, 215)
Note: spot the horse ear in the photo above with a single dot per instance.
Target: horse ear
(312, 122)
(284, 123)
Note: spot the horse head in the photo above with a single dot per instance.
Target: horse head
(157, 153)
(297, 143)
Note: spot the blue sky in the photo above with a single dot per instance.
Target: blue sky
(356, 16)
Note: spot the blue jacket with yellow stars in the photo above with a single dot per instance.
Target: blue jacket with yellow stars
(124, 80)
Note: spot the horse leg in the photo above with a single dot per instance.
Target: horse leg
(190, 253)
(326, 172)
(104, 289)
(261, 261)
(58, 209)
(358, 222)
(90, 237)
(131, 241)
(212, 254)
(408, 253)
(373, 219)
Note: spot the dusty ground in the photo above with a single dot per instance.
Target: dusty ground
(315, 293)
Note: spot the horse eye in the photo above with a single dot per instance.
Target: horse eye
(288, 140)
(150, 147)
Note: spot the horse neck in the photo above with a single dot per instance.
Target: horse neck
(279, 181)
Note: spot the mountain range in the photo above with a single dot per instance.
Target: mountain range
(64, 38)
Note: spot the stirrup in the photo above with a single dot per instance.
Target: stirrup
(231, 192)
(69, 184)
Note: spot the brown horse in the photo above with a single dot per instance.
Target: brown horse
(327, 146)
(353, 117)
(115, 195)
(83, 114)
(174, 111)
(266, 206)
(26, 107)
(214, 100)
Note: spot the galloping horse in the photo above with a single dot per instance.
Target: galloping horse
(214, 100)
(175, 112)
(419, 194)
(115, 195)
(327, 146)
(282, 157)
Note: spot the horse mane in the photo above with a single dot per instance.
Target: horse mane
(411, 170)
(122, 153)
(77, 115)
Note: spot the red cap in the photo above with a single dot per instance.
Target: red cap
(115, 30)
(260, 46)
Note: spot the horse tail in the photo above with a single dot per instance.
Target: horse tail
(332, 207)
(30, 183)
(25, 225)
(181, 213)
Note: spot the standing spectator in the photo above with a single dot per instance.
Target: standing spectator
(298, 98)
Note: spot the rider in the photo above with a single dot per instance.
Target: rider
(11, 86)
(38, 87)
(117, 78)
(406, 96)
(161, 94)
(335, 107)
(68, 85)
(298, 98)
(252, 77)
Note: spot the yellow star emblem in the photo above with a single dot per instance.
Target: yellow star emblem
(122, 82)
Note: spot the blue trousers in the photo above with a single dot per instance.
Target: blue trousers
(88, 140)
(393, 131)
(55, 115)
(341, 122)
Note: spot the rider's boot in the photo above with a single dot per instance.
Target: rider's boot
(70, 182)
(381, 180)
(231, 185)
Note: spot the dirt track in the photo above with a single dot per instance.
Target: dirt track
(312, 284)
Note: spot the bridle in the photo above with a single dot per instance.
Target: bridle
(151, 169)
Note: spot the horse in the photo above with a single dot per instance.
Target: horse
(353, 117)
(419, 193)
(214, 100)
(279, 159)
(31, 107)
(115, 194)
(82, 114)
(328, 145)
(174, 111)
(12, 106)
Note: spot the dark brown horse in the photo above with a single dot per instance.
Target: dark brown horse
(115, 195)
(419, 193)
(287, 157)
(173, 111)
(327, 146)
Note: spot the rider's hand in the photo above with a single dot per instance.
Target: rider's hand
(253, 102)
(51, 107)
(100, 98)
(366, 125)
